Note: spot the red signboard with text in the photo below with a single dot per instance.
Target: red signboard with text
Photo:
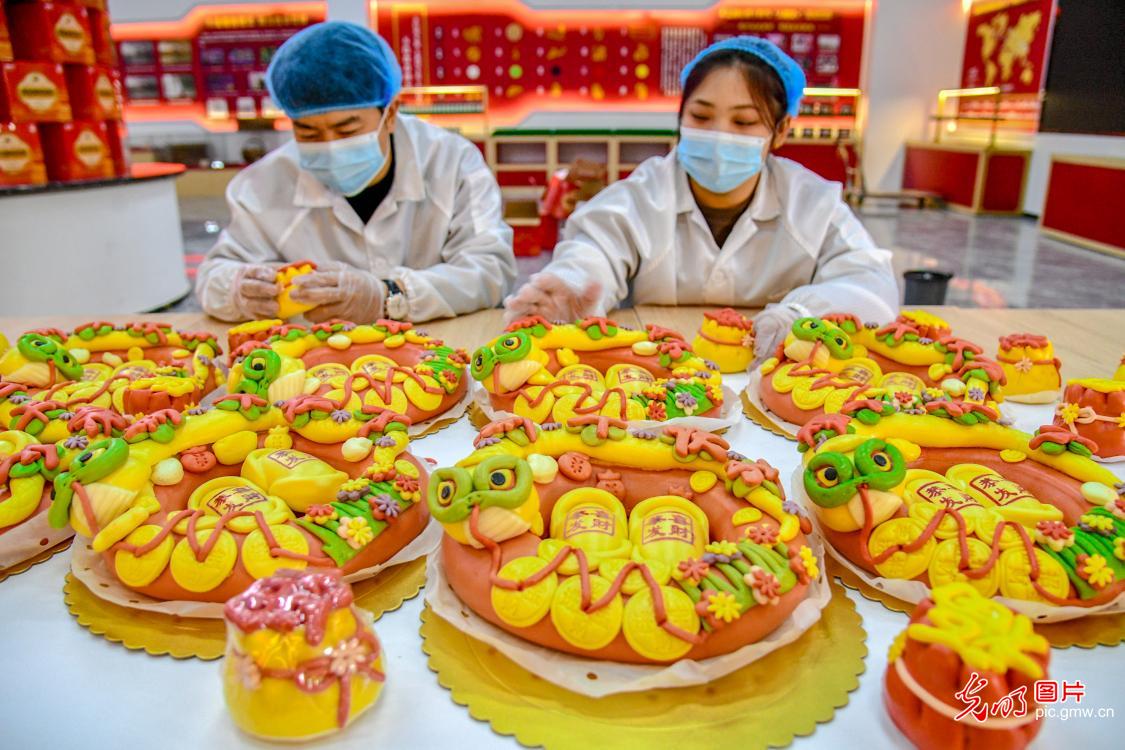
(572, 60)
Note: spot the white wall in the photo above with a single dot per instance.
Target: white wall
(914, 49)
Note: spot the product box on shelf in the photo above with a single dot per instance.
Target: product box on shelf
(51, 31)
(117, 147)
(21, 155)
(77, 151)
(33, 92)
(105, 51)
(95, 92)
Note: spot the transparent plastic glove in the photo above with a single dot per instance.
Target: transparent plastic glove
(340, 291)
(254, 290)
(771, 326)
(552, 298)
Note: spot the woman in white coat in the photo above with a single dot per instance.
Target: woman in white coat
(721, 221)
(402, 218)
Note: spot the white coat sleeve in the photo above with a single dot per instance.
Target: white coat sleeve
(243, 241)
(852, 274)
(602, 245)
(478, 266)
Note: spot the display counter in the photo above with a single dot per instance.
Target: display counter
(1080, 206)
(976, 178)
(112, 245)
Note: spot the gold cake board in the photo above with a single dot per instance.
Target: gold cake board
(1096, 630)
(765, 704)
(205, 637)
(44, 556)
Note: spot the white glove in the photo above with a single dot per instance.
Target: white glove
(771, 326)
(254, 291)
(552, 298)
(340, 291)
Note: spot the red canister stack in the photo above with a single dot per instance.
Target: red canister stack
(60, 93)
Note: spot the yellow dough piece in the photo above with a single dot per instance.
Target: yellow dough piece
(137, 571)
(667, 529)
(256, 557)
(945, 566)
(199, 576)
(523, 609)
(1015, 575)
(1008, 498)
(593, 521)
(586, 630)
(647, 637)
(296, 477)
(901, 564)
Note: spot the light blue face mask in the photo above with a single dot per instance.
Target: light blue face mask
(717, 160)
(348, 165)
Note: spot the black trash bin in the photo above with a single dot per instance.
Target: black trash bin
(926, 287)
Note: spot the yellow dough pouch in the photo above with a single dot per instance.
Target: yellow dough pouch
(593, 521)
(927, 492)
(297, 478)
(667, 529)
(581, 374)
(302, 661)
(629, 378)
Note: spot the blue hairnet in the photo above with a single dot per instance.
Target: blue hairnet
(790, 73)
(331, 66)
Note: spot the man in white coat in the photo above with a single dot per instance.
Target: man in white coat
(402, 218)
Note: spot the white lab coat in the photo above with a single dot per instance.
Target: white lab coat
(796, 244)
(439, 233)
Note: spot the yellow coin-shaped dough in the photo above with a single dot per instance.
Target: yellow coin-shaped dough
(421, 398)
(647, 637)
(1015, 575)
(198, 576)
(925, 513)
(398, 404)
(587, 630)
(808, 398)
(523, 609)
(141, 571)
(256, 557)
(901, 564)
(985, 528)
(541, 411)
(634, 581)
(945, 566)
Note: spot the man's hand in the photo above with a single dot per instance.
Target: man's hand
(340, 291)
(550, 297)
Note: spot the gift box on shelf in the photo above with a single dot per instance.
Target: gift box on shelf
(95, 92)
(33, 92)
(51, 31)
(21, 155)
(77, 151)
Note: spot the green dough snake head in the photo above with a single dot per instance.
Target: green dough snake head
(37, 348)
(259, 369)
(513, 357)
(97, 462)
(832, 478)
(499, 481)
(834, 338)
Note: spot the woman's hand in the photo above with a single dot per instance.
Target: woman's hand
(550, 297)
(254, 291)
(340, 291)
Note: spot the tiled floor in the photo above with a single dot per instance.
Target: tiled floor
(996, 261)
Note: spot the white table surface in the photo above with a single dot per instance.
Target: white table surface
(63, 687)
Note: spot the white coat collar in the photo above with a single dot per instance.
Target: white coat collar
(763, 207)
(408, 186)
